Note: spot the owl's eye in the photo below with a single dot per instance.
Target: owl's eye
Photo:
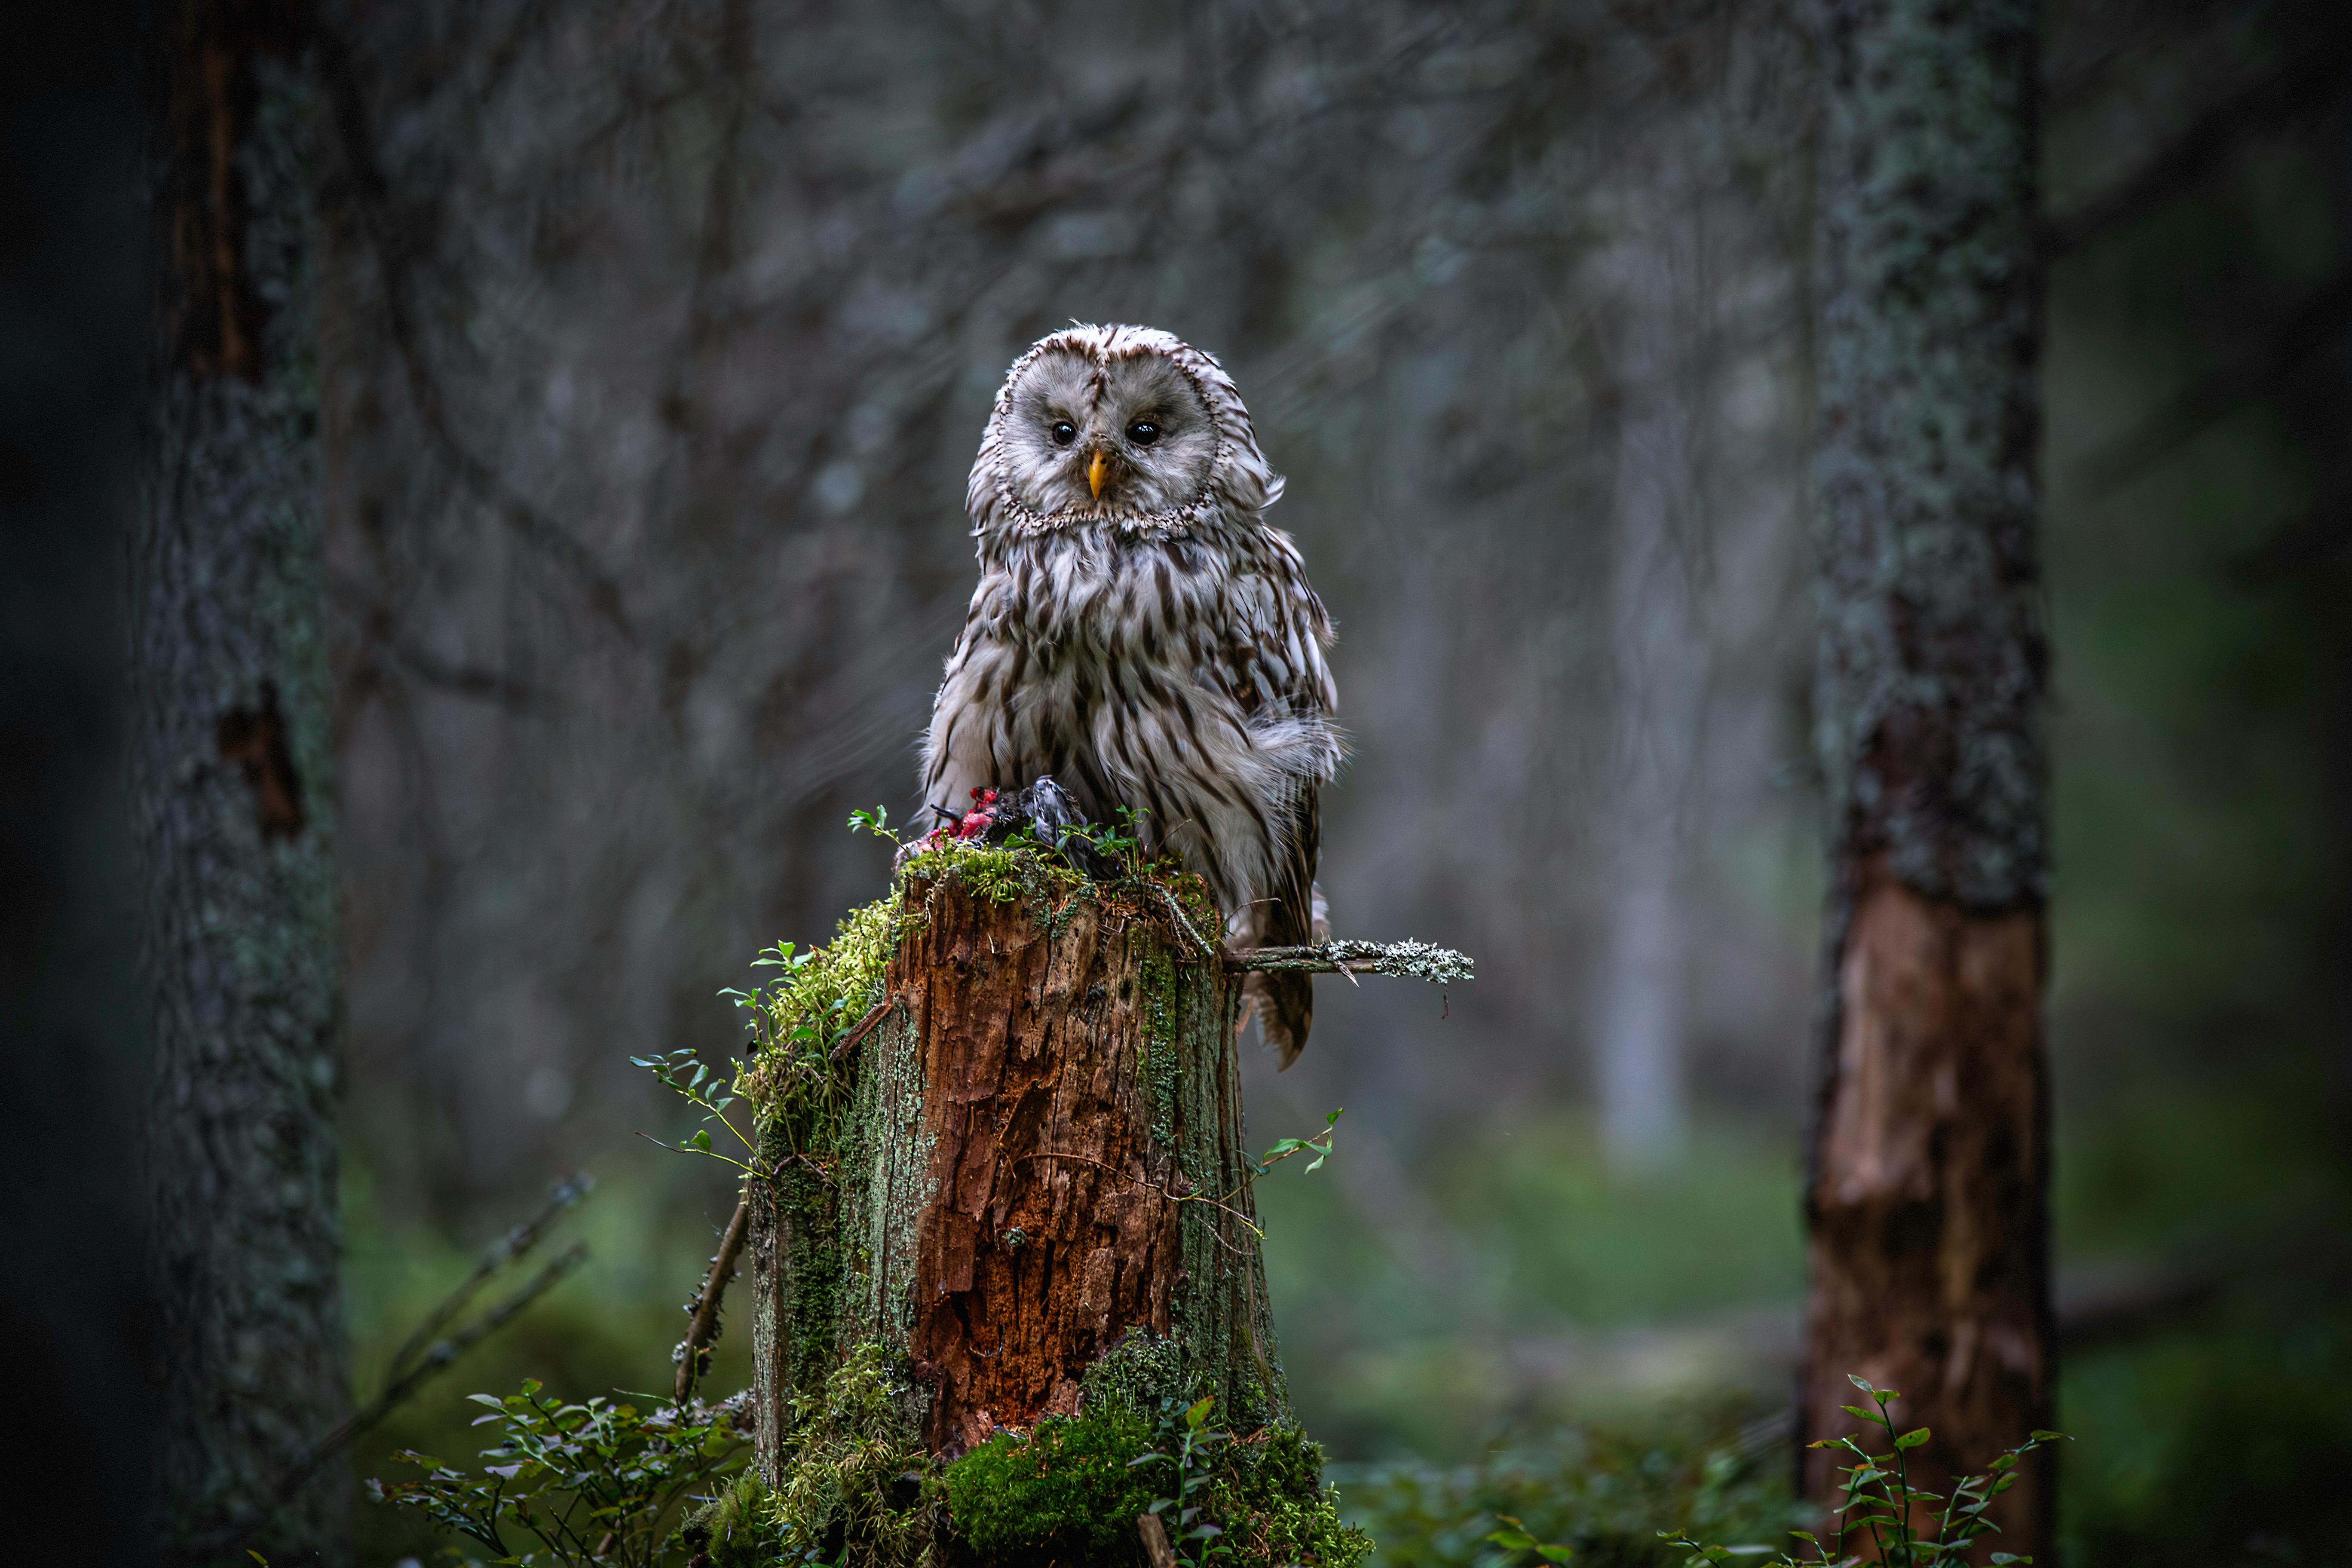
(1143, 432)
(1064, 432)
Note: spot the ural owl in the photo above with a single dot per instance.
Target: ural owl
(1142, 636)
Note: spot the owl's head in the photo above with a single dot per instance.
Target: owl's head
(1128, 425)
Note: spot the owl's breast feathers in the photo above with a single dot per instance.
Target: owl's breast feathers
(1183, 677)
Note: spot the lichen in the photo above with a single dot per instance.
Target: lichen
(816, 1266)
(1407, 960)
(884, 1157)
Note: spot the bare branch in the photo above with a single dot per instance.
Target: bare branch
(694, 1352)
(505, 1251)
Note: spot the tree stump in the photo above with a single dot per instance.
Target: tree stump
(1027, 1158)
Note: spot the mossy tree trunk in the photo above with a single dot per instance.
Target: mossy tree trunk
(1036, 1179)
(233, 802)
(1926, 1197)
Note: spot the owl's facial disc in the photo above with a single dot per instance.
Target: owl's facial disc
(1128, 439)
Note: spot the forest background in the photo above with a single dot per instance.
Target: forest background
(656, 342)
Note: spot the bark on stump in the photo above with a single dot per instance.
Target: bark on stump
(1039, 1160)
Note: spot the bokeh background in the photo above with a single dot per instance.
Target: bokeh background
(658, 337)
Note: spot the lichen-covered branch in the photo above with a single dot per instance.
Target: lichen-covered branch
(1406, 960)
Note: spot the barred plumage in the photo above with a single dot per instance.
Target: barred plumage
(1142, 635)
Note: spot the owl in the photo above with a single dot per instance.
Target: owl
(1141, 636)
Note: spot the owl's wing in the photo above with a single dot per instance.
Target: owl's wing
(1274, 669)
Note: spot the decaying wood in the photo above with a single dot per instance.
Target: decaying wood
(1928, 1230)
(1055, 1220)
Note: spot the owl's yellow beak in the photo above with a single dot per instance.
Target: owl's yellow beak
(1097, 473)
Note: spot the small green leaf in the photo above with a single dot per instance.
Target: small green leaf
(1912, 1438)
(2040, 1437)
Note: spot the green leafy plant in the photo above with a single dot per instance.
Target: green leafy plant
(875, 822)
(1880, 1502)
(1120, 843)
(1601, 1492)
(1317, 1143)
(709, 1092)
(574, 1484)
(1188, 1447)
(1513, 1537)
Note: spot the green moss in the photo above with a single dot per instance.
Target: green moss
(1277, 1508)
(1139, 1375)
(1159, 1068)
(855, 1478)
(799, 1015)
(815, 1274)
(731, 1531)
(1070, 1490)
(1067, 1491)
(999, 873)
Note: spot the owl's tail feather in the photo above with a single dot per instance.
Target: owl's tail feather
(1285, 1007)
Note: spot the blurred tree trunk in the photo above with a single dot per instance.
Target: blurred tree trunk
(1658, 653)
(1040, 1165)
(1926, 1188)
(233, 802)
